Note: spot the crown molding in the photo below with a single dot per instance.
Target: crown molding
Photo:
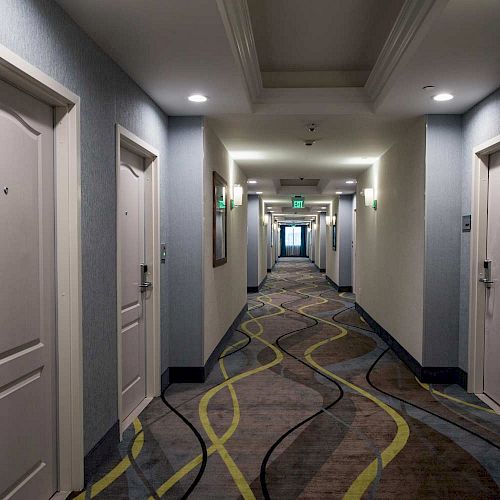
(236, 18)
(412, 23)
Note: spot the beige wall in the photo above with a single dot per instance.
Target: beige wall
(390, 241)
(332, 257)
(224, 287)
(262, 241)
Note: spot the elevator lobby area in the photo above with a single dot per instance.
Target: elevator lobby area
(249, 249)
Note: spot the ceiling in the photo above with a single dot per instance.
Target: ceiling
(355, 68)
(318, 35)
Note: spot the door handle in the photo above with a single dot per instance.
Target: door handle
(145, 284)
(487, 274)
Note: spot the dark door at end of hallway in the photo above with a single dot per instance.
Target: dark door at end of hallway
(293, 241)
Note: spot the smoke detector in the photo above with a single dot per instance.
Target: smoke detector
(311, 127)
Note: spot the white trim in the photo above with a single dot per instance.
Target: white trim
(27, 78)
(412, 23)
(486, 399)
(238, 26)
(135, 413)
(477, 297)
(127, 139)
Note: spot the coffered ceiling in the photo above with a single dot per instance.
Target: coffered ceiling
(355, 68)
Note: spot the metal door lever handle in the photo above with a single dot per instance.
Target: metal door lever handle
(146, 284)
(487, 282)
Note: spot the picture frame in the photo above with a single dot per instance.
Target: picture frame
(219, 220)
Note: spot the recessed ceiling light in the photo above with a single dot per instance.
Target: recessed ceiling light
(324, 208)
(251, 182)
(258, 192)
(198, 98)
(246, 155)
(443, 97)
(338, 192)
(350, 182)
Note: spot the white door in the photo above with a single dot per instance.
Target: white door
(131, 219)
(492, 315)
(27, 298)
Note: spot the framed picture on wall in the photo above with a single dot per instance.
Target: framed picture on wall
(219, 220)
(334, 233)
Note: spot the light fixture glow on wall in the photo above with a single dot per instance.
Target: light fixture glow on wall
(334, 220)
(251, 182)
(246, 155)
(198, 98)
(370, 201)
(443, 97)
(238, 195)
(362, 160)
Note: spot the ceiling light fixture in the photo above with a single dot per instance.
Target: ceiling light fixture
(443, 97)
(258, 192)
(350, 182)
(198, 98)
(338, 192)
(323, 208)
(251, 182)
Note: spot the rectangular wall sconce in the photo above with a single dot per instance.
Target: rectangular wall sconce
(238, 195)
(368, 197)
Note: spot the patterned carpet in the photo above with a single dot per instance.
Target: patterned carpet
(306, 402)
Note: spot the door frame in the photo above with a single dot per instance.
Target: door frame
(69, 362)
(479, 229)
(128, 140)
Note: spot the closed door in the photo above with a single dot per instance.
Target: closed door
(27, 298)
(131, 220)
(492, 315)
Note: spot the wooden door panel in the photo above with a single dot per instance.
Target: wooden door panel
(131, 217)
(492, 313)
(27, 298)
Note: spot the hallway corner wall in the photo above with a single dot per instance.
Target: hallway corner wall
(257, 242)
(390, 240)
(185, 240)
(320, 243)
(224, 287)
(333, 256)
(339, 261)
(443, 186)
(40, 32)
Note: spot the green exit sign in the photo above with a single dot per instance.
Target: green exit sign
(298, 202)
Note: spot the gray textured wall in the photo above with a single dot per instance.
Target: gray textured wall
(479, 124)
(253, 229)
(345, 240)
(40, 32)
(185, 240)
(443, 185)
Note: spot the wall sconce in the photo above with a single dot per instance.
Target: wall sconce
(237, 200)
(334, 220)
(369, 199)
